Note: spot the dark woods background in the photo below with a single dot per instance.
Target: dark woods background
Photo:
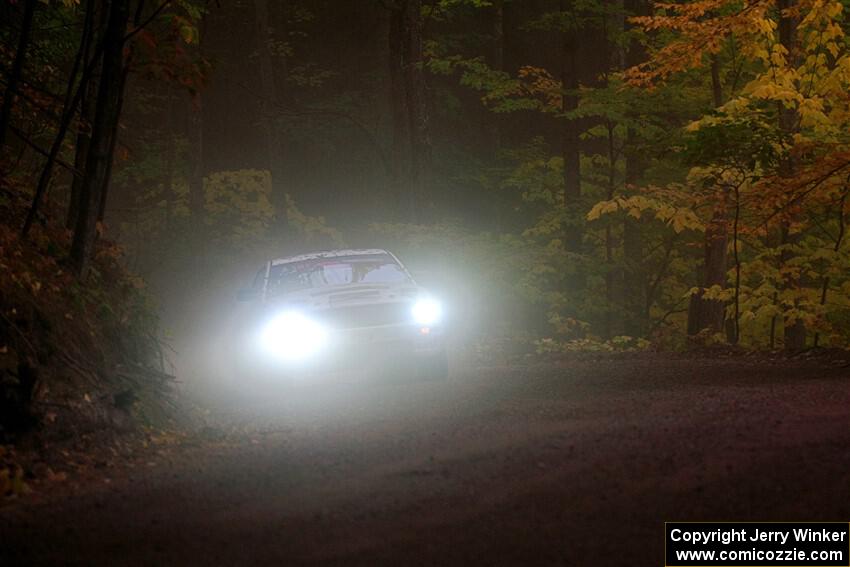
(576, 174)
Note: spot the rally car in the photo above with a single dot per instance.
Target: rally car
(343, 309)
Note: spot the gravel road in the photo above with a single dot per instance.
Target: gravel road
(577, 463)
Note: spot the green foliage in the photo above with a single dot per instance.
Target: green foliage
(238, 205)
(753, 143)
(620, 343)
(678, 218)
(238, 215)
(501, 92)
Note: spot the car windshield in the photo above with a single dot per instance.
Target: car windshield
(321, 272)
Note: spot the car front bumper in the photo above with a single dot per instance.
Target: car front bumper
(359, 347)
(403, 339)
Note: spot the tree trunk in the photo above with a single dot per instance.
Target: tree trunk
(170, 158)
(106, 116)
(87, 111)
(570, 135)
(195, 136)
(113, 139)
(497, 63)
(420, 144)
(634, 277)
(17, 70)
(400, 171)
(498, 41)
(196, 159)
(268, 103)
(81, 151)
(610, 270)
(711, 313)
(494, 132)
(113, 143)
(839, 239)
(795, 329)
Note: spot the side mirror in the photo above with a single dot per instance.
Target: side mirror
(247, 294)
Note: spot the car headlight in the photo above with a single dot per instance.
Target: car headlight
(427, 311)
(292, 336)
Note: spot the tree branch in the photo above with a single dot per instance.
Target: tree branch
(25, 139)
(150, 18)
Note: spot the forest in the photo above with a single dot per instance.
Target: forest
(586, 174)
(624, 298)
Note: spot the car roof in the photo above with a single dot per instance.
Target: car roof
(329, 254)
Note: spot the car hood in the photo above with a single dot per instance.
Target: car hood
(330, 297)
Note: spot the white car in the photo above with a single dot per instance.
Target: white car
(343, 309)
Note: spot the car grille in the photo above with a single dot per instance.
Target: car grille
(367, 315)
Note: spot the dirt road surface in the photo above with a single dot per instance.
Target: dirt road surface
(578, 463)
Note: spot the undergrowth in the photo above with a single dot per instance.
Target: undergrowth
(76, 355)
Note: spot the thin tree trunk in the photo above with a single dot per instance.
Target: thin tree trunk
(196, 158)
(196, 145)
(498, 64)
(420, 143)
(783, 239)
(170, 158)
(494, 132)
(838, 241)
(81, 150)
(17, 70)
(610, 127)
(711, 313)
(736, 322)
(609, 238)
(97, 162)
(498, 28)
(87, 111)
(794, 328)
(399, 174)
(634, 277)
(772, 338)
(274, 150)
(570, 135)
(113, 143)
